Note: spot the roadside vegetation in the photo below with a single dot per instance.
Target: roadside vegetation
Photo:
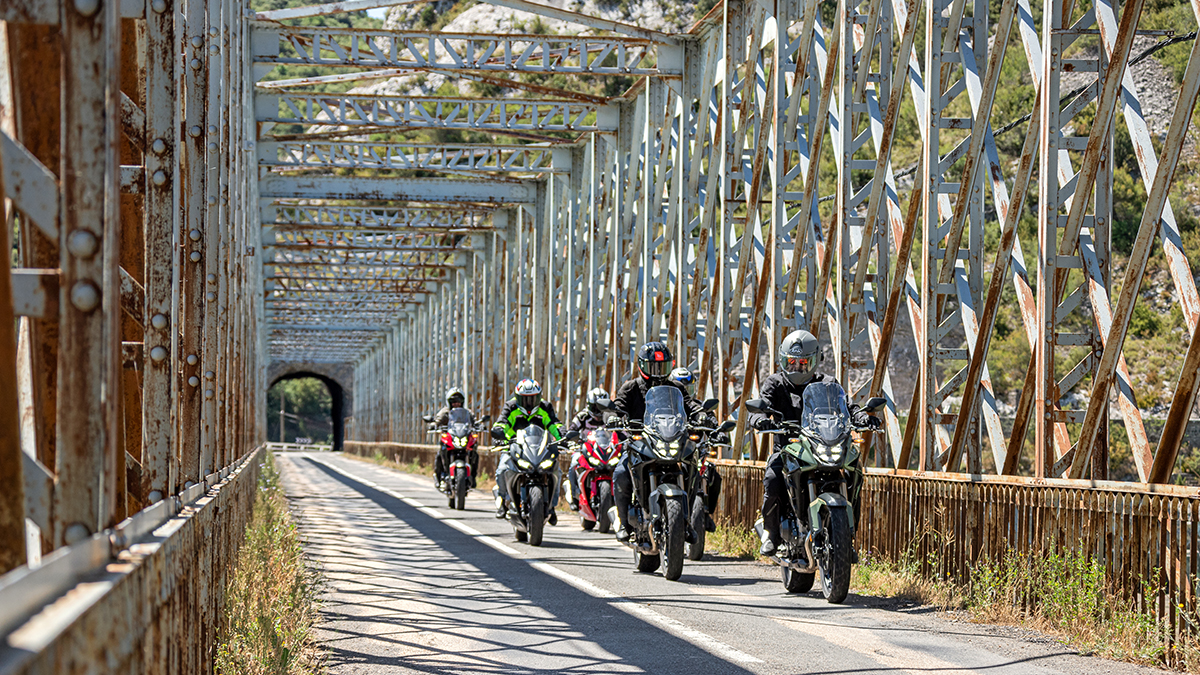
(270, 603)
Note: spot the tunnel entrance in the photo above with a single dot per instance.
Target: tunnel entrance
(313, 407)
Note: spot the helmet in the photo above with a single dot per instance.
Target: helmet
(529, 394)
(453, 394)
(594, 398)
(654, 360)
(798, 356)
(683, 377)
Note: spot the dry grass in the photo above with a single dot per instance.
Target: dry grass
(883, 578)
(733, 540)
(270, 605)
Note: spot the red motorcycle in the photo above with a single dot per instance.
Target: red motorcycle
(459, 440)
(599, 456)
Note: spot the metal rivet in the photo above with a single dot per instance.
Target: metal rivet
(82, 244)
(208, 374)
(159, 178)
(158, 354)
(159, 146)
(195, 256)
(158, 6)
(154, 496)
(76, 532)
(212, 128)
(212, 30)
(212, 278)
(212, 199)
(213, 49)
(194, 235)
(87, 7)
(212, 146)
(197, 41)
(194, 381)
(192, 360)
(208, 393)
(210, 296)
(85, 296)
(159, 321)
(195, 131)
(195, 64)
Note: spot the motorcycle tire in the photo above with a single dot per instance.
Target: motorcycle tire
(461, 484)
(835, 565)
(520, 535)
(796, 582)
(646, 562)
(695, 550)
(586, 524)
(603, 523)
(537, 515)
(450, 498)
(673, 540)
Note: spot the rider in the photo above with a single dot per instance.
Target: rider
(585, 421)
(454, 399)
(654, 362)
(526, 407)
(687, 380)
(783, 391)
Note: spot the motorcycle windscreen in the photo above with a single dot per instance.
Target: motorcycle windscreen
(533, 441)
(460, 423)
(825, 415)
(665, 414)
(602, 438)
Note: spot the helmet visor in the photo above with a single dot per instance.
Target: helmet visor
(797, 364)
(528, 401)
(655, 368)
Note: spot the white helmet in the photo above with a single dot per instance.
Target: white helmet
(529, 394)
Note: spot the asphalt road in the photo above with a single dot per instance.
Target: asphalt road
(414, 587)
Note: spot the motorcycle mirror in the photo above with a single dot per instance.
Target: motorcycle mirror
(485, 418)
(606, 405)
(427, 418)
(874, 403)
(757, 405)
(571, 435)
(498, 434)
(710, 404)
(727, 425)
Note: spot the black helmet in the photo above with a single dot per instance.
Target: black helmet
(798, 356)
(455, 394)
(655, 361)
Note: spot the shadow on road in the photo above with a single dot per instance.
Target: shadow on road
(407, 593)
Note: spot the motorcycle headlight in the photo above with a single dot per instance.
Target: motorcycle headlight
(667, 450)
(612, 461)
(546, 463)
(459, 442)
(830, 455)
(523, 463)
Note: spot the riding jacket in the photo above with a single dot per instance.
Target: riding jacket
(513, 418)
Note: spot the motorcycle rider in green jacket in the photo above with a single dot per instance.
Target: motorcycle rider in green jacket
(526, 407)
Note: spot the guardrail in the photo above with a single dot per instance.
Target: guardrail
(1138, 532)
(145, 596)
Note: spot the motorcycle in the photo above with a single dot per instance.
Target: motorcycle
(600, 453)
(459, 438)
(823, 479)
(532, 485)
(662, 467)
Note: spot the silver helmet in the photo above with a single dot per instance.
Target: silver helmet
(798, 356)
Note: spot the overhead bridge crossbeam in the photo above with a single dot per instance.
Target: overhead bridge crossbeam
(449, 158)
(549, 54)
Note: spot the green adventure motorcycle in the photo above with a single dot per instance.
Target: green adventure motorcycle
(823, 478)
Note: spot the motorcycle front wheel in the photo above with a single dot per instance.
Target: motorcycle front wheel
(695, 550)
(673, 540)
(537, 515)
(606, 501)
(460, 491)
(834, 560)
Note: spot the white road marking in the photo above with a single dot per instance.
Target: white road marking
(672, 626)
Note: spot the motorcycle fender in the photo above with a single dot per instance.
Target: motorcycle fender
(661, 494)
(831, 500)
(459, 466)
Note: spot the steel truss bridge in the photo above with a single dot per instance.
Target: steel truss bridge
(187, 230)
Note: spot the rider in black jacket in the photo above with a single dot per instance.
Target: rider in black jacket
(454, 399)
(654, 366)
(585, 421)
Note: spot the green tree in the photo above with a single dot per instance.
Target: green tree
(308, 408)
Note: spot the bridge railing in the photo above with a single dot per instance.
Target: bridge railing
(144, 596)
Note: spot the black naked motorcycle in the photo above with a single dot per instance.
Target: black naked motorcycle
(665, 476)
(533, 481)
(823, 476)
